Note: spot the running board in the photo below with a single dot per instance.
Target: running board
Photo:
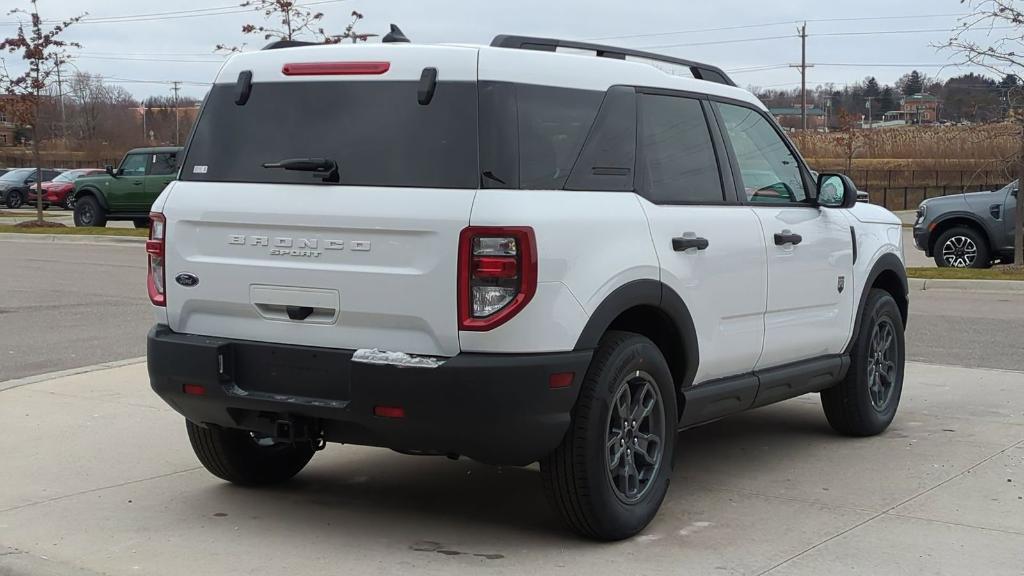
(720, 398)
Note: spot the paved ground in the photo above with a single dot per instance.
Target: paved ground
(69, 305)
(967, 329)
(98, 478)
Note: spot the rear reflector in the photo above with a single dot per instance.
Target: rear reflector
(561, 380)
(335, 68)
(389, 412)
(194, 389)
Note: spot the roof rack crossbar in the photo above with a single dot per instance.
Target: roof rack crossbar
(699, 70)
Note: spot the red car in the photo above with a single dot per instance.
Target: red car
(58, 191)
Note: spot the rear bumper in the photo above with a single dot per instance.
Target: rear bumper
(495, 408)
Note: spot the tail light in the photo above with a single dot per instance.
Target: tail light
(335, 68)
(155, 247)
(497, 275)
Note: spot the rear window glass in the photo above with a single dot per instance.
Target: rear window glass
(377, 132)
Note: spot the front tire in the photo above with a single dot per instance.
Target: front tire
(962, 247)
(89, 213)
(240, 458)
(865, 402)
(610, 475)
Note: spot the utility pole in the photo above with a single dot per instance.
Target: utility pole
(177, 121)
(60, 96)
(871, 119)
(803, 66)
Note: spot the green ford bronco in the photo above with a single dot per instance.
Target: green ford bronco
(128, 192)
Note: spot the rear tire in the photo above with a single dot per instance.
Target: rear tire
(235, 456)
(962, 247)
(14, 199)
(89, 213)
(601, 489)
(865, 402)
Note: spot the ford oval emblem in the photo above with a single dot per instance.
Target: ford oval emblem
(187, 280)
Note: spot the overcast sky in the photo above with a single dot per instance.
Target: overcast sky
(146, 49)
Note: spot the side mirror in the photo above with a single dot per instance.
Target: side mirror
(836, 191)
(110, 170)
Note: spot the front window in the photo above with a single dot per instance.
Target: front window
(134, 165)
(770, 171)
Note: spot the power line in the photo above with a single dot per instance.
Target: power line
(131, 59)
(717, 42)
(173, 15)
(780, 23)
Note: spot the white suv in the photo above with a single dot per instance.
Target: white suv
(537, 250)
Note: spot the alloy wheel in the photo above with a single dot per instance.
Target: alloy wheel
(882, 370)
(959, 252)
(636, 428)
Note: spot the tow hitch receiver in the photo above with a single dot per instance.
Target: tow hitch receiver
(290, 432)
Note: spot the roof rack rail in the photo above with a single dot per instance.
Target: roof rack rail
(278, 44)
(699, 70)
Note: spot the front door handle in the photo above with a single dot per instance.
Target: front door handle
(137, 183)
(787, 237)
(684, 244)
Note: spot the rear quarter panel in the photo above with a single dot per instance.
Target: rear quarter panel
(588, 244)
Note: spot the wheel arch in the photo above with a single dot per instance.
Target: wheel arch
(91, 191)
(654, 310)
(953, 220)
(889, 274)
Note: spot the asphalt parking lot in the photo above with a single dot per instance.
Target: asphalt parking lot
(98, 476)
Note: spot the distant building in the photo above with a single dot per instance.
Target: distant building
(791, 118)
(7, 126)
(917, 109)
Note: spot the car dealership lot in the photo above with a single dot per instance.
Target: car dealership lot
(98, 476)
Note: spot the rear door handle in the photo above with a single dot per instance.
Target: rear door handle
(787, 237)
(684, 244)
(137, 183)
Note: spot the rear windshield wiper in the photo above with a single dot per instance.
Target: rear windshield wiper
(325, 166)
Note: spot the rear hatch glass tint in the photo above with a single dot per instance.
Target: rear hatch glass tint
(377, 132)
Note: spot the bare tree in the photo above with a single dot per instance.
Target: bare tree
(350, 32)
(1001, 24)
(285, 20)
(43, 52)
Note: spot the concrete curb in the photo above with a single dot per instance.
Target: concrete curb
(18, 382)
(1004, 286)
(71, 238)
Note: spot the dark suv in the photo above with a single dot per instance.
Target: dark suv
(968, 230)
(127, 192)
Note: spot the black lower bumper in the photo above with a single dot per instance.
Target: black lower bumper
(921, 239)
(496, 408)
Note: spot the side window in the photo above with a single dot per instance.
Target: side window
(553, 125)
(164, 164)
(134, 165)
(770, 171)
(677, 156)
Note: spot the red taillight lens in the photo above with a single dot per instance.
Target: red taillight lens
(155, 247)
(335, 68)
(389, 411)
(194, 389)
(497, 275)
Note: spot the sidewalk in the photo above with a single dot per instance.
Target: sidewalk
(98, 478)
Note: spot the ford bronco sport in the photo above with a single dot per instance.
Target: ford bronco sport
(537, 250)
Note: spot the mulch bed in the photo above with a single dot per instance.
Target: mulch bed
(38, 224)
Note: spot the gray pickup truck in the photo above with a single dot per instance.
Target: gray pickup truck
(968, 230)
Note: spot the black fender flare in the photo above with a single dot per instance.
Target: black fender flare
(888, 262)
(651, 293)
(963, 215)
(92, 191)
